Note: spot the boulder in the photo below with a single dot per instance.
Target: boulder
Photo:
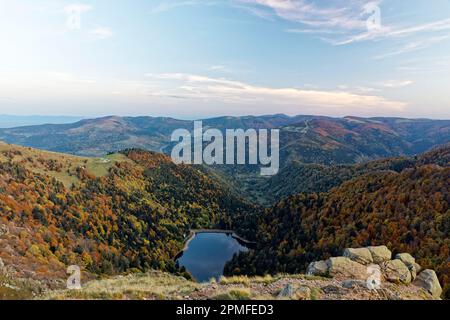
(380, 254)
(318, 268)
(396, 271)
(406, 258)
(410, 262)
(343, 266)
(287, 292)
(428, 280)
(360, 255)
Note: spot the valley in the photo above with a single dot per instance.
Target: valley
(97, 199)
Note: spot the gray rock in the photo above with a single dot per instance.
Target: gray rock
(428, 280)
(343, 266)
(396, 271)
(406, 258)
(360, 255)
(410, 262)
(287, 292)
(293, 292)
(380, 254)
(352, 284)
(318, 268)
(2, 265)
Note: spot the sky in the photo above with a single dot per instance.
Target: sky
(202, 58)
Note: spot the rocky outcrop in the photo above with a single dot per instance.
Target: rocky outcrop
(380, 254)
(343, 266)
(428, 280)
(318, 268)
(406, 258)
(396, 271)
(372, 266)
(360, 255)
(410, 262)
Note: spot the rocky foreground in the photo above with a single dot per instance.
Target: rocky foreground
(360, 274)
(371, 267)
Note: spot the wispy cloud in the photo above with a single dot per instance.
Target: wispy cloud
(396, 83)
(342, 14)
(102, 32)
(396, 32)
(346, 22)
(220, 68)
(230, 91)
(412, 46)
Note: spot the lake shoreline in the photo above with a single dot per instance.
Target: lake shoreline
(194, 232)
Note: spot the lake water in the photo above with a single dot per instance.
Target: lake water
(207, 254)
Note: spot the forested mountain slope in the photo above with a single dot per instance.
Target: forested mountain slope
(408, 211)
(301, 177)
(127, 211)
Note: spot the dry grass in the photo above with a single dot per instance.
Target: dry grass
(152, 285)
(34, 160)
(244, 280)
(234, 294)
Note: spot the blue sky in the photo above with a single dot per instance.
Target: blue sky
(201, 58)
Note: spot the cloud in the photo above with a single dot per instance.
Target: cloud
(345, 15)
(102, 32)
(395, 32)
(230, 91)
(342, 22)
(396, 83)
(412, 46)
(220, 68)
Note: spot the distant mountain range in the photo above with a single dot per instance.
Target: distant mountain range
(310, 139)
(308, 145)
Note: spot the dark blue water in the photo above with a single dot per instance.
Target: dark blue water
(207, 254)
